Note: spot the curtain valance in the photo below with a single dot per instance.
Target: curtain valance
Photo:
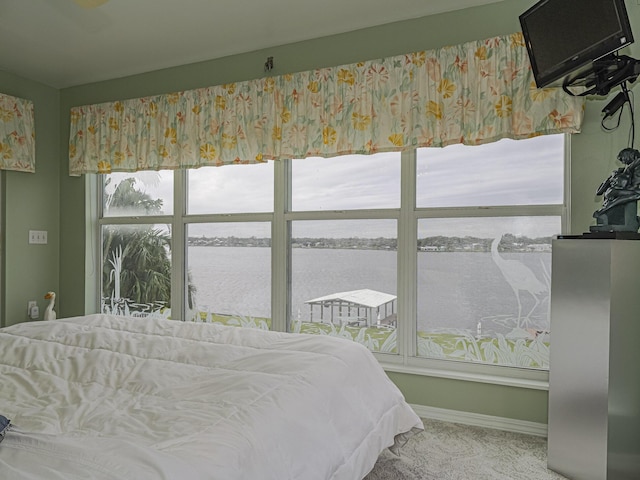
(17, 134)
(473, 93)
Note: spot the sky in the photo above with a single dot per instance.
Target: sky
(502, 173)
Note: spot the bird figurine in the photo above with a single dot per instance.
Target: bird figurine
(49, 312)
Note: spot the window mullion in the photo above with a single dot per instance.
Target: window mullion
(407, 261)
(493, 211)
(280, 252)
(93, 241)
(566, 212)
(178, 248)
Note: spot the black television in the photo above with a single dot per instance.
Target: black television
(565, 37)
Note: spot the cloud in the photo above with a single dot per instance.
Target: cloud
(349, 182)
(500, 173)
(231, 189)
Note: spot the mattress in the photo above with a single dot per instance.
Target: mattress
(104, 396)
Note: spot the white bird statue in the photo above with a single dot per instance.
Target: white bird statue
(49, 312)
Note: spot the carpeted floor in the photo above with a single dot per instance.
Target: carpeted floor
(449, 451)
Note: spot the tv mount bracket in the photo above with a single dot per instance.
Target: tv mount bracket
(607, 73)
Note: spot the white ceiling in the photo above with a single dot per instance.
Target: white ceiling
(61, 44)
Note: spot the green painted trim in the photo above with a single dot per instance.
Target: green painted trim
(474, 397)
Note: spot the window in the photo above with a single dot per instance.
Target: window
(483, 289)
(231, 189)
(350, 182)
(137, 194)
(433, 255)
(229, 267)
(136, 243)
(486, 218)
(508, 172)
(343, 280)
(344, 228)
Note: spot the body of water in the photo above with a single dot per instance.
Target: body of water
(455, 289)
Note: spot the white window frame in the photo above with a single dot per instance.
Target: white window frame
(407, 217)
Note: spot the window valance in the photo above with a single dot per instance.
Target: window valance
(473, 93)
(17, 134)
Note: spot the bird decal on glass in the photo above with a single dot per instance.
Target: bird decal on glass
(520, 278)
(49, 312)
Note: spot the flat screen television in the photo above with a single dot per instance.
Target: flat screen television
(564, 37)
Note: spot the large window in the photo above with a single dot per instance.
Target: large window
(229, 267)
(483, 289)
(486, 218)
(432, 255)
(136, 243)
(343, 273)
(343, 280)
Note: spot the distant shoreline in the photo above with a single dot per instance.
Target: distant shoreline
(438, 244)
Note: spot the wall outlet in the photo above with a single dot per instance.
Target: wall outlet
(32, 310)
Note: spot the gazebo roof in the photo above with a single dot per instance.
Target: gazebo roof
(365, 298)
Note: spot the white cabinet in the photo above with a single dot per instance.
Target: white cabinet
(594, 377)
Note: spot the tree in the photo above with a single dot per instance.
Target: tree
(137, 258)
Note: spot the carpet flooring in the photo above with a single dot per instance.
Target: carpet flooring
(449, 451)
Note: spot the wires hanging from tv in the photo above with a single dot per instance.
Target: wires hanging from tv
(624, 97)
(575, 44)
(606, 74)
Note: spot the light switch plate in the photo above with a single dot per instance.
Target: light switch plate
(38, 237)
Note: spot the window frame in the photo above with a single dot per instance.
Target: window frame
(406, 216)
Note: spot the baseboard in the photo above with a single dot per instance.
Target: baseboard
(480, 420)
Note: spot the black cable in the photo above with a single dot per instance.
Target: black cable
(611, 129)
(632, 128)
(617, 106)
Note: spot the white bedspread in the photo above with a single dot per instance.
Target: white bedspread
(124, 398)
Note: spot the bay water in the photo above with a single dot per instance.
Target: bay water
(455, 290)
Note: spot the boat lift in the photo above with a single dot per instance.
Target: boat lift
(356, 307)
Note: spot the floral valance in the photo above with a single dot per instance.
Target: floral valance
(17, 134)
(473, 93)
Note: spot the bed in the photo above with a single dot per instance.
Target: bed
(109, 397)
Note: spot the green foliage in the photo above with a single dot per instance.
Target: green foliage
(136, 272)
(142, 253)
(428, 347)
(532, 352)
(248, 322)
(126, 198)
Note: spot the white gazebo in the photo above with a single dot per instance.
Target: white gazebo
(355, 307)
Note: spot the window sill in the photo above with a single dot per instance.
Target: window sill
(464, 371)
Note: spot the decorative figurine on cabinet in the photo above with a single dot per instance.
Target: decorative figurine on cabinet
(50, 313)
(619, 211)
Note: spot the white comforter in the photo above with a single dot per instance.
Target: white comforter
(124, 398)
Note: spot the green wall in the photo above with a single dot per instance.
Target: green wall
(30, 201)
(35, 201)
